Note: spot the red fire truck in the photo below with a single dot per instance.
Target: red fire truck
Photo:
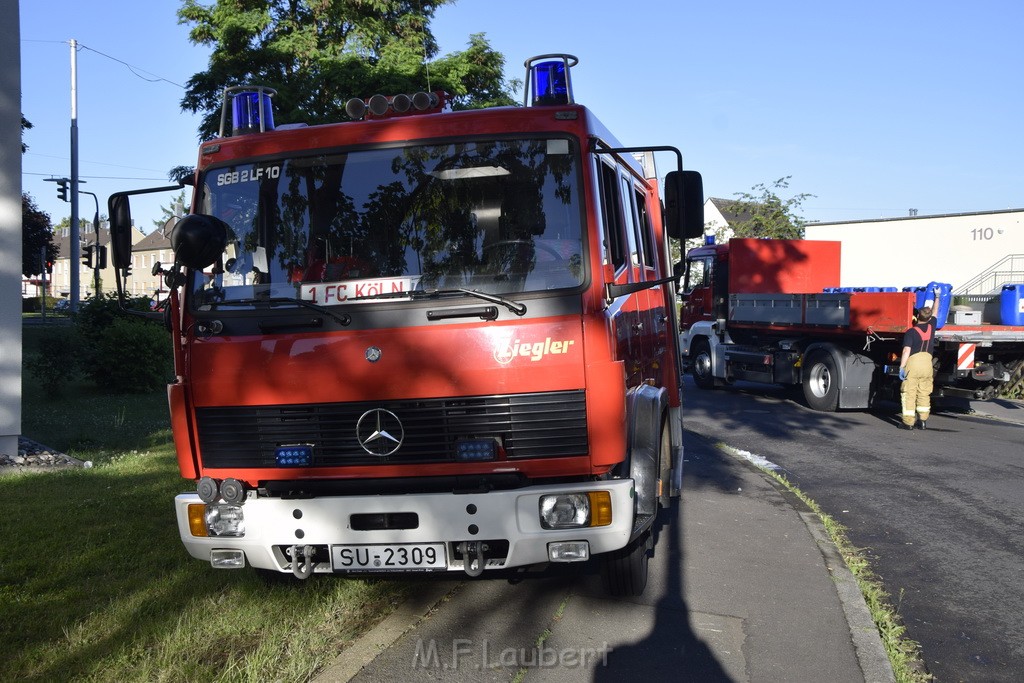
(425, 339)
(771, 311)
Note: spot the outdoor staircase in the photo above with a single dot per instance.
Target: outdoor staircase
(1009, 270)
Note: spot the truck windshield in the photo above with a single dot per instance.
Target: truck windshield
(500, 216)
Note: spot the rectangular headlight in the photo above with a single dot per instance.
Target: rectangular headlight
(569, 551)
(225, 520)
(564, 511)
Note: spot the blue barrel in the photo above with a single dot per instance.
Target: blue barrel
(940, 309)
(1011, 305)
(920, 294)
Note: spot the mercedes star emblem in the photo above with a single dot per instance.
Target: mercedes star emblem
(380, 432)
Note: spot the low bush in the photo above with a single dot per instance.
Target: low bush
(121, 352)
(131, 356)
(55, 361)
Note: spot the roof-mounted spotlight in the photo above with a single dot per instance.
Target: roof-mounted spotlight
(401, 103)
(378, 105)
(425, 100)
(382, 106)
(355, 108)
(549, 80)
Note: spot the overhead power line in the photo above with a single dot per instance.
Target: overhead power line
(137, 71)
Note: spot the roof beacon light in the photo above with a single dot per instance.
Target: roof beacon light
(549, 80)
(250, 109)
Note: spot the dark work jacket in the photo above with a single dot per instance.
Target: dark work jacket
(920, 337)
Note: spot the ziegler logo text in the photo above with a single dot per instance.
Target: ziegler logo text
(509, 349)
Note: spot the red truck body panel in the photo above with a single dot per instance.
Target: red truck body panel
(758, 266)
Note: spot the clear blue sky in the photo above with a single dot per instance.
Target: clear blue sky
(874, 107)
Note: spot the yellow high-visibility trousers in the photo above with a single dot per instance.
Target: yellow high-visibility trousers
(916, 391)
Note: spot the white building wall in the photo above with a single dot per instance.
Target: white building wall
(10, 229)
(913, 251)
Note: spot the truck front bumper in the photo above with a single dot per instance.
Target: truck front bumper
(506, 523)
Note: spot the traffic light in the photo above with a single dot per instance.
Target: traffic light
(87, 256)
(101, 256)
(62, 189)
(49, 267)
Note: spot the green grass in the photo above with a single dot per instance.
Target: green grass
(95, 584)
(904, 653)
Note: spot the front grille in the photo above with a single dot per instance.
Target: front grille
(543, 425)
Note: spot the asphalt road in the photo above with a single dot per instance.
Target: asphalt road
(941, 512)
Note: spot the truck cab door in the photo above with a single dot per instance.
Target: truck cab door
(698, 292)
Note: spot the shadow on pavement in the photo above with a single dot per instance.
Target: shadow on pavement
(673, 651)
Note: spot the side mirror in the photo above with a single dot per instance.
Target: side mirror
(198, 240)
(693, 204)
(120, 213)
(684, 204)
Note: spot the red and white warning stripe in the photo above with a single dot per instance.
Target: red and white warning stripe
(965, 357)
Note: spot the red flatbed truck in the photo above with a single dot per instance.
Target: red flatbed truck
(764, 310)
(425, 340)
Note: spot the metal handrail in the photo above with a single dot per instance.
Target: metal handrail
(1008, 270)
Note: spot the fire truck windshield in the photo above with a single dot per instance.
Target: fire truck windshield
(495, 216)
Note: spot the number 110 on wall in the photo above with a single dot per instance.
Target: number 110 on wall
(981, 234)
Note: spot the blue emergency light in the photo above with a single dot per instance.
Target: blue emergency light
(294, 455)
(250, 109)
(549, 80)
(468, 450)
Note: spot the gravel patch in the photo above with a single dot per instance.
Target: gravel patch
(34, 455)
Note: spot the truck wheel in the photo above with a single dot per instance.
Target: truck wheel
(625, 570)
(821, 383)
(700, 349)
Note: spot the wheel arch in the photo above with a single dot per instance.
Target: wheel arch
(646, 409)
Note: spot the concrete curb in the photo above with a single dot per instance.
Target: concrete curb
(366, 648)
(867, 642)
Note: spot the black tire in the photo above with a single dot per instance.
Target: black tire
(625, 570)
(700, 365)
(821, 382)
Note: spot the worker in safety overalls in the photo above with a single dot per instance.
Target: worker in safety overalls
(916, 370)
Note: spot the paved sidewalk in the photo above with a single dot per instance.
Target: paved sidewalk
(744, 586)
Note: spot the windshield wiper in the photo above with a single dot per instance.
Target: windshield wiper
(514, 306)
(344, 318)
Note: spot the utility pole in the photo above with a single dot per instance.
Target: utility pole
(42, 275)
(75, 245)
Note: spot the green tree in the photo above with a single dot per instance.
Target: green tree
(36, 227)
(764, 214)
(36, 235)
(25, 125)
(317, 54)
(175, 209)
